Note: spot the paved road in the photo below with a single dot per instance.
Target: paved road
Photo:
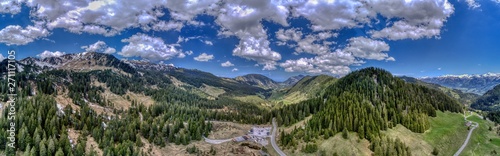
(215, 141)
(273, 140)
(474, 126)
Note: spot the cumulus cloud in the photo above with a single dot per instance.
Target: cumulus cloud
(313, 43)
(243, 20)
(11, 6)
(417, 19)
(403, 30)
(151, 48)
(333, 15)
(170, 25)
(406, 19)
(234, 69)
(47, 53)
(227, 64)
(293, 34)
(336, 63)
(204, 57)
(339, 61)
(98, 17)
(17, 35)
(99, 46)
(366, 48)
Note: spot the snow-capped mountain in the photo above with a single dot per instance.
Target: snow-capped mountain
(478, 83)
(79, 61)
(141, 64)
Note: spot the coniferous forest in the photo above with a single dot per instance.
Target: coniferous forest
(177, 117)
(366, 101)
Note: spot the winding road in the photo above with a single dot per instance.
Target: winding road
(215, 141)
(273, 140)
(474, 126)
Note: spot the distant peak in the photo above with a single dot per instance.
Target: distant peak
(489, 74)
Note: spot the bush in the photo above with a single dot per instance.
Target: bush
(435, 151)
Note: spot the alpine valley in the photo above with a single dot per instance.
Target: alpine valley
(95, 104)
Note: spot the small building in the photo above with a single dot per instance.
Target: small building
(241, 138)
(468, 123)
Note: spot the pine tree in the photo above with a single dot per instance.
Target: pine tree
(51, 147)
(43, 149)
(27, 151)
(59, 152)
(345, 133)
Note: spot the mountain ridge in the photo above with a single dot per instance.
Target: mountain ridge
(475, 83)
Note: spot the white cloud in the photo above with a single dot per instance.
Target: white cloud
(208, 42)
(227, 64)
(473, 4)
(333, 15)
(243, 20)
(181, 55)
(189, 52)
(366, 48)
(293, 34)
(99, 46)
(407, 19)
(416, 19)
(170, 25)
(151, 48)
(439, 68)
(336, 63)
(186, 10)
(16, 35)
(47, 53)
(234, 69)
(204, 57)
(10, 6)
(312, 43)
(403, 30)
(98, 17)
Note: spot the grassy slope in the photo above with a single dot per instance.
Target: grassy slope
(447, 133)
(480, 143)
(336, 144)
(306, 88)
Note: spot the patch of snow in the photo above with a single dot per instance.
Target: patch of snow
(20, 68)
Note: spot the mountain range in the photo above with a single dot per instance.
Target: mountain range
(117, 93)
(477, 84)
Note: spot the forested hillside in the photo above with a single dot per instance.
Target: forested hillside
(308, 87)
(462, 97)
(365, 101)
(490, 101)
(176, 117)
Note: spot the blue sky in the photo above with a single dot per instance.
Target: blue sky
(278, 39)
